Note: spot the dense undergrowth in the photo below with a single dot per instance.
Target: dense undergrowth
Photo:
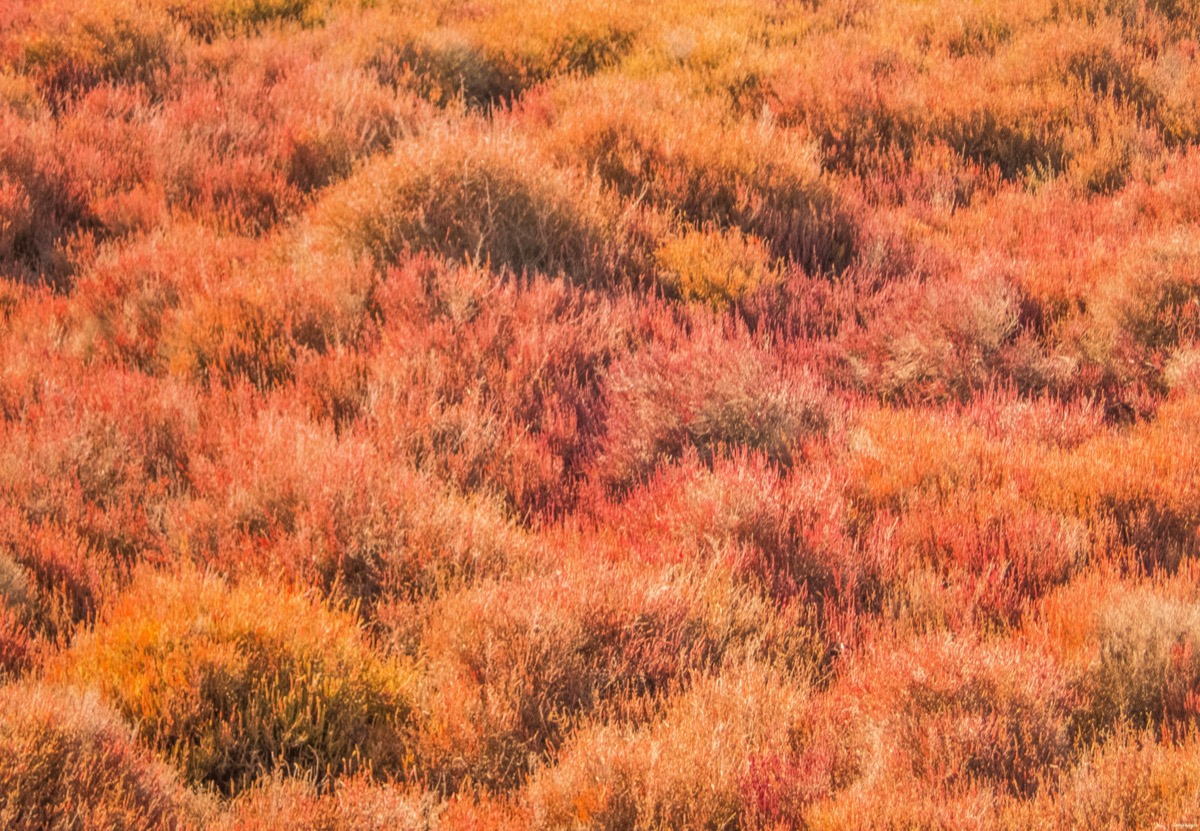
(704, 414)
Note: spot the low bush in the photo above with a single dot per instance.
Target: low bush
(513, 664)
(963, 338)
(956, 711)
(69, 763)
(355, 805)
(708, 391)
(18, 608)
(748, 414)
(485, 197)
(83, 508)
(493, 384)
(729, 751)
(1026, 102)
(335, 512)
(122, 447)
(234, 683)
(1134, 481)
(1130, 781)
(493, 59)
(1182, 372)
(55, 583)
(688, 154)
(995, 557)
(255, 323)
(207, 18)
(714, 267)
(72, 47)
(127, 298)
(786, 532)
(247, 152)
(1150, 306)
(41, 203)
(1143, 671)
(236, 335)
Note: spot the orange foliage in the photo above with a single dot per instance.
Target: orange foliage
(593, 414)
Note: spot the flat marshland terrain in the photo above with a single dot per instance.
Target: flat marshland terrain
(599, 414)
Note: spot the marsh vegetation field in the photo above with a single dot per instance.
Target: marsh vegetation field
(487, 415)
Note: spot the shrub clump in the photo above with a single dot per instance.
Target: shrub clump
(513, 663)
(1146, 665)
(495, 384)
(1130, 781)
(355, 805)
(206, 18)
(714, 266)
(231, 683)
(256, 323)
(69, 763)
(1150, 307)
(707, 393)
(333, 512)
(939, 722)
(472, 195)
(705, 761)
(783, 532)
(487, 60)
(41, 202)
(687, 154)
(76, 46)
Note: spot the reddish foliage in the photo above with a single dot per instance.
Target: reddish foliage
(678, 415)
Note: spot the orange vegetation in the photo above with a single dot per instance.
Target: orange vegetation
(572, 414)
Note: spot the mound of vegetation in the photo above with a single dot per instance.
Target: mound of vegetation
(232, 684)
(67, 761)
